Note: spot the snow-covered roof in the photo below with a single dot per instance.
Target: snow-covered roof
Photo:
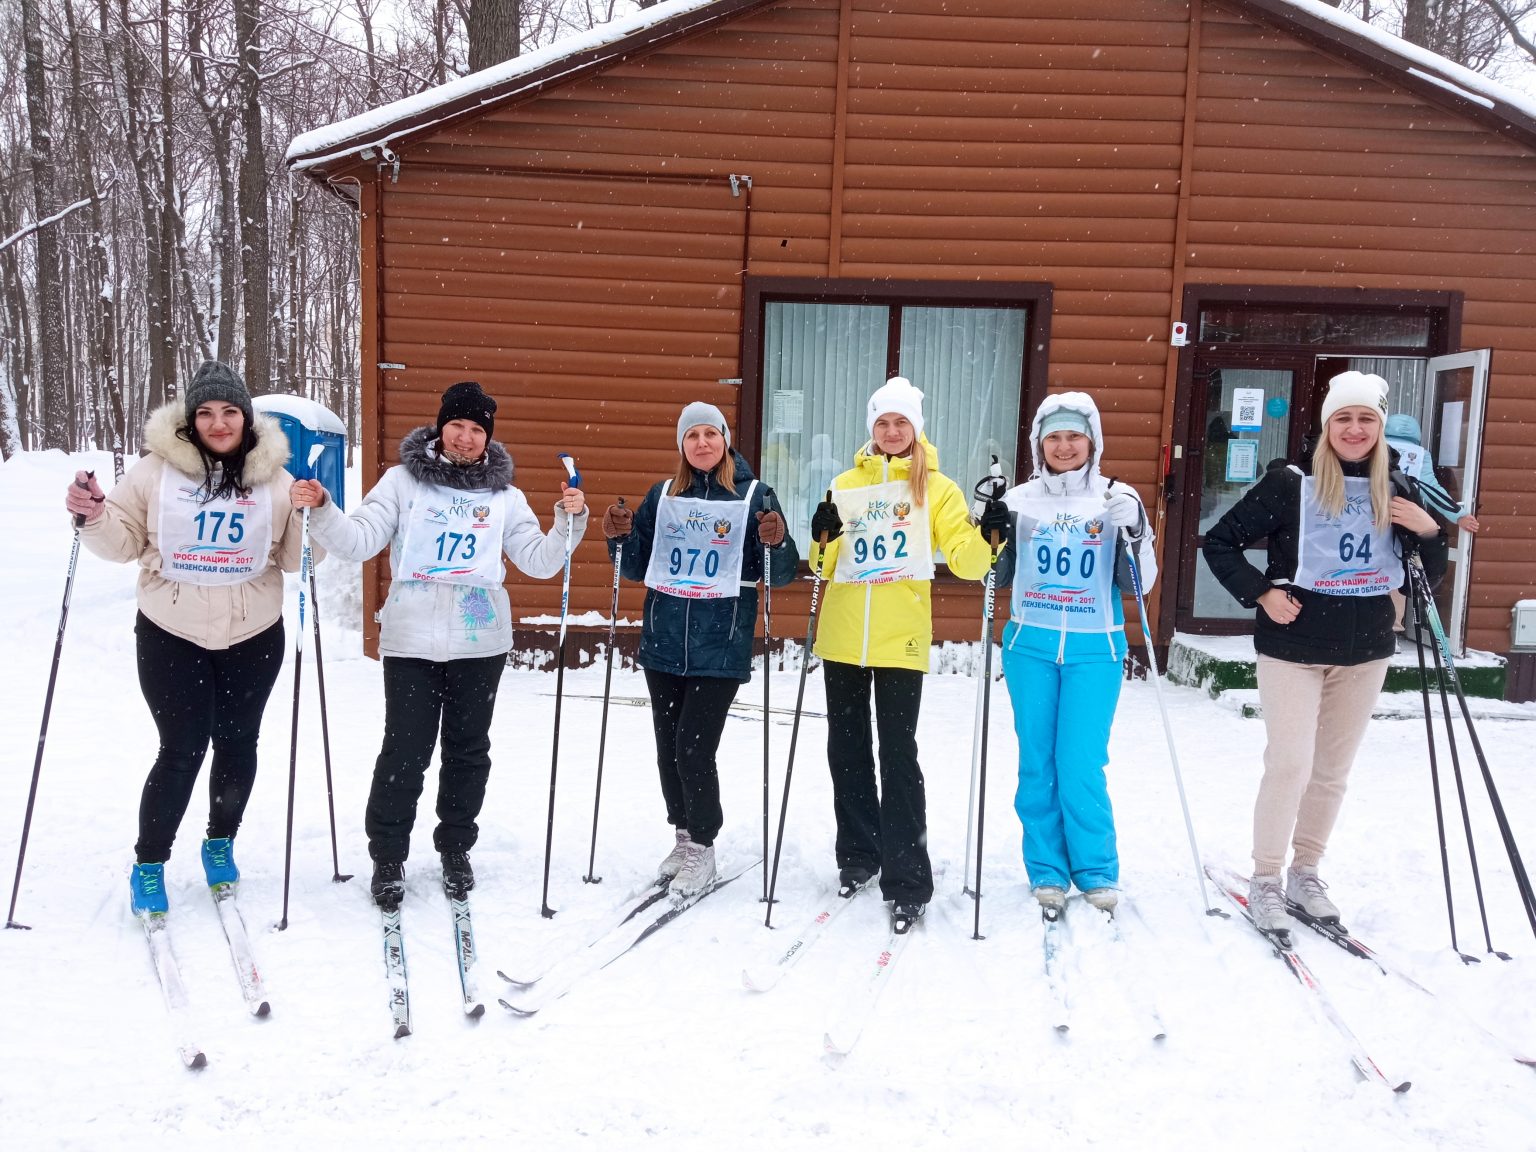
(378, 127)
(322, 148)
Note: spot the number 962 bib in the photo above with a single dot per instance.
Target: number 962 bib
(885, 535)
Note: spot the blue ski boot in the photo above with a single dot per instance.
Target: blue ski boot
(147, 884)
(219, 861)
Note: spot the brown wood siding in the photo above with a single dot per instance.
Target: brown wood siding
(581, 252)
(1335, 179)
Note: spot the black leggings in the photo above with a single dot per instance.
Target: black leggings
(426, 703)
(884, 827)
(195, 695)
(688, 714)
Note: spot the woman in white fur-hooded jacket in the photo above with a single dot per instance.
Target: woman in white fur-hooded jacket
(448, 513)
(206, 515)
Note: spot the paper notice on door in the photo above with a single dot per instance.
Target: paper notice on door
(1247, 409)
(1448, 452)
(1242, 461)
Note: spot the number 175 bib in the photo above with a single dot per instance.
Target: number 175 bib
(885, 535)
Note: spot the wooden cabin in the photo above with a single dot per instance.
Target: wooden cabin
(1198, 211)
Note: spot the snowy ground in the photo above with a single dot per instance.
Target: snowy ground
(665, 1044)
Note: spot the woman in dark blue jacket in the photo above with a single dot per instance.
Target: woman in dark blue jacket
(696, 542)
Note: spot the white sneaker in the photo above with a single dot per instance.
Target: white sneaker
(1104, 899)
(1303, 887)
(1266, 901)
(668, 867)
(1052, 898)
(697, 872)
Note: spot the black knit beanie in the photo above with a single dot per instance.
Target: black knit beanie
(465, 401)
(215, 381)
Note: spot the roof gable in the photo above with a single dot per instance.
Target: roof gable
(369, 136)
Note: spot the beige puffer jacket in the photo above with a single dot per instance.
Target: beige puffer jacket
(215, 616)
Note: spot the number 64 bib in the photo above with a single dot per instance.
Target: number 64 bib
(453, 537)
(1344, 555)
(885, 535)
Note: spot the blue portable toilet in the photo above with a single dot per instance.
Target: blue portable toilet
(306, 424)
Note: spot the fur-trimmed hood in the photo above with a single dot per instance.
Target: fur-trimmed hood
(264, 462)
(419, 457)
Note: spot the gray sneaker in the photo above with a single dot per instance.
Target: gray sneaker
(1266, 900)
(668, 867)
(697, 872)
(1303, 887)
(1052, 898)
(1104, 899)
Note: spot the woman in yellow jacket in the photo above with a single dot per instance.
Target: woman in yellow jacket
(876, 537)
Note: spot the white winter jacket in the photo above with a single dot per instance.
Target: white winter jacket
(434, 620)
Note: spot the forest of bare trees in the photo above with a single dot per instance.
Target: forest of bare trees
(147, 222)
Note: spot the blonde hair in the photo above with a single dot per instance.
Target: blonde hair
(724, 472)
(1328, 479)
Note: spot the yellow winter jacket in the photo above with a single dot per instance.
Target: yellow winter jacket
(891, 625)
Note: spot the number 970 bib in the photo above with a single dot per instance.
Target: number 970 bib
(885, 535)
(697, 549)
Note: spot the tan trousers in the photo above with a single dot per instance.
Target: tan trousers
(1315, 717)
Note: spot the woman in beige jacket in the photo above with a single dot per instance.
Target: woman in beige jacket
(206, 515)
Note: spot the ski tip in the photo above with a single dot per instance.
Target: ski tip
(515, 1009)
(1159, 1037)
(196, 1061)
(402, 1031)
(834, 1049)
(1403, 1087)
(1063, 1029)
(474, 1011)
(261, 1009)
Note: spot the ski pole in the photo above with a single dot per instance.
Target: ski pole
(988, 606)
(794, 731)
(995, 486)
(1506, 833)
(1434, 773)
(767, 712)
(42, 735)
(305, 561)
(602, 738)
(554, 757)
(1162, 705)
(337, 877)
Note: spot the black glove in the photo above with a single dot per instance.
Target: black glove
(995, 522)
(826, 524)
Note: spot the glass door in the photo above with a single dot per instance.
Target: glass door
(1242, 419)
(1453, 433)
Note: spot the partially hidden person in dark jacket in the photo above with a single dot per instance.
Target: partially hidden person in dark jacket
(696, 541)
(1340, 532)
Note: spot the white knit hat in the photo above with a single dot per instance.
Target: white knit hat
(1355, 389)
(897, 395)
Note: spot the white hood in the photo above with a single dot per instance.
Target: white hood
(1081, 403)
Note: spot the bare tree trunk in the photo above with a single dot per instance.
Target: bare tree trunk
(255, 219)
(493, 32)
(157, 278)
(50, 300)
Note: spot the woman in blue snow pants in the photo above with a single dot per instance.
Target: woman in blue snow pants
(1064, 648)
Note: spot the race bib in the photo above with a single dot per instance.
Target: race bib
(885, 535)
(1065, 575)
(1344, 555)
(697, 548)
(454, 537)
(222, 541)
(1410, 457)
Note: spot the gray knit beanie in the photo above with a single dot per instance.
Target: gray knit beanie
(215, 381)
(701, 413)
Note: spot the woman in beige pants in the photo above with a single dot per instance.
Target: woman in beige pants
(1339, 534)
